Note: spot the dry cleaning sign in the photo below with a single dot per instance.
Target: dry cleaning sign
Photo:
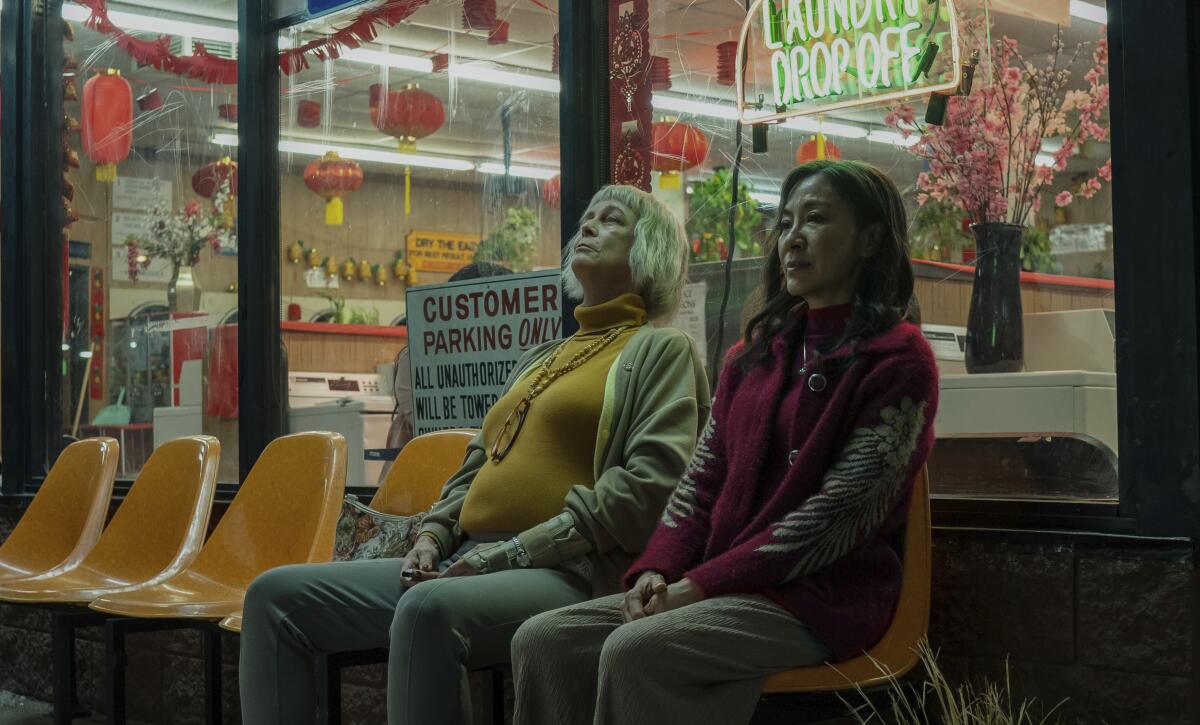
(464, 340)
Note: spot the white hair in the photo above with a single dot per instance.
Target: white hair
(658, 259)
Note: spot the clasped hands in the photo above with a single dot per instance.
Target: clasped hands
(651, 595)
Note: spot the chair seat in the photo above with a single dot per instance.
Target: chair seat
(232, 623)
(186, 595)
(9, 572)
(862, 671)
(78, 586)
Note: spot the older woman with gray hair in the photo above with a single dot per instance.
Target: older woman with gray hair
(557, 494)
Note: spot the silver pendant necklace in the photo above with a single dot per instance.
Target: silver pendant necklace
(816, 381)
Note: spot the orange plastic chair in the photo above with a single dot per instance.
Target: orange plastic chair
(65, 518)
(157, 530)
(284, 513)
(413, 482)
(897, 652)
(417, 475)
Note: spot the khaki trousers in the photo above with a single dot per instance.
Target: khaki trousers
(699, 664)
(436, 631)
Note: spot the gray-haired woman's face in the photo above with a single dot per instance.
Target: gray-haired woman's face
(606, 235)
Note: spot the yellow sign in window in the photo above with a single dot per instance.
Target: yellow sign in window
(442, 252)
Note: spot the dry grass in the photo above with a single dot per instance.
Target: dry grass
(936, 701)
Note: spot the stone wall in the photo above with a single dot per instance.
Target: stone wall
(1109, 622)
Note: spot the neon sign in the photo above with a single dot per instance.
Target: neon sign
(813, 56)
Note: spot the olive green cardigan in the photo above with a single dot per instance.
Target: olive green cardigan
(656, 401)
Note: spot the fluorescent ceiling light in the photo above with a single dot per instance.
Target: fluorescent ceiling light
(1043, 160)
(530, 172)
(764, 197)
(158, 26)
(892, 137)
(829, 128)
(391, 60)
(696, 108)
(1088, 11)
(490, 74)
(359, 153)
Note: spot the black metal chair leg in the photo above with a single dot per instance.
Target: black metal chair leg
(62, 646)
(115, 660)
(212, 676)
(498, 696)
(329, 689)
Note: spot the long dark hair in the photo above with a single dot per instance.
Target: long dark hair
(883, 294)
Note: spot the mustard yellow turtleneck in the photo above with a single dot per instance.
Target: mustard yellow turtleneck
(557, 446)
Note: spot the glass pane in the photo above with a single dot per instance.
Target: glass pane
(150, 353)
(1046, 367)
(403, 161)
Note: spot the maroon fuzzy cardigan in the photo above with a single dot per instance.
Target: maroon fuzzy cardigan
(797, 495)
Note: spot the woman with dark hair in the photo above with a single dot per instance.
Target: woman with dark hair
(776, 548)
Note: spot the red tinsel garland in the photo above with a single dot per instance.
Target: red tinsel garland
(204, 66)
(727, 63)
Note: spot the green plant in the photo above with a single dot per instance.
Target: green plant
(359, 316)
(936, 700)
(708, 218)
(1035, 252)
(339, 308)
(937, 231)
(514, 243)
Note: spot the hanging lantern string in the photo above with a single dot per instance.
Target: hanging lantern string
(213, 69)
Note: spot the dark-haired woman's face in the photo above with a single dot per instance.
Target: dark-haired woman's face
(821, 245)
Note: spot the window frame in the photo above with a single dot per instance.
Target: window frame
(1155, 140)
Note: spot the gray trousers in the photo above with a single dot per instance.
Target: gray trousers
(703, 663)
(436, 631)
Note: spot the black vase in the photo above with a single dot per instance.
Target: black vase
(995, 335)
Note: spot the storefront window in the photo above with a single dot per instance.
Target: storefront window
(1039, 368)
(403, 161)
(150, 342)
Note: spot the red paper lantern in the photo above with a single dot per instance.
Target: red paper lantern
(332, 177)
(676, 147)
(150, 101)
(228, 111)
(660, 73)
(554, 56)
(308, 114)
(727, 63)
(479, 14)
(498, 35)
(552, 191)
(409, 115)
(107, 122)
(208, 178)
(440, 62)
(817, 148)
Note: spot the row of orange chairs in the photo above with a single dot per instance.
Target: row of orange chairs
(151, 566)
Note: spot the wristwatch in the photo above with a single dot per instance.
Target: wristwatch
(523, 560)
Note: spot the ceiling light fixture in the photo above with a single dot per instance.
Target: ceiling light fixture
(359, 153)
(391, 60)
(529, 172)
(894, 138)
(157, 26)
(490, 74)
(1088, 11)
